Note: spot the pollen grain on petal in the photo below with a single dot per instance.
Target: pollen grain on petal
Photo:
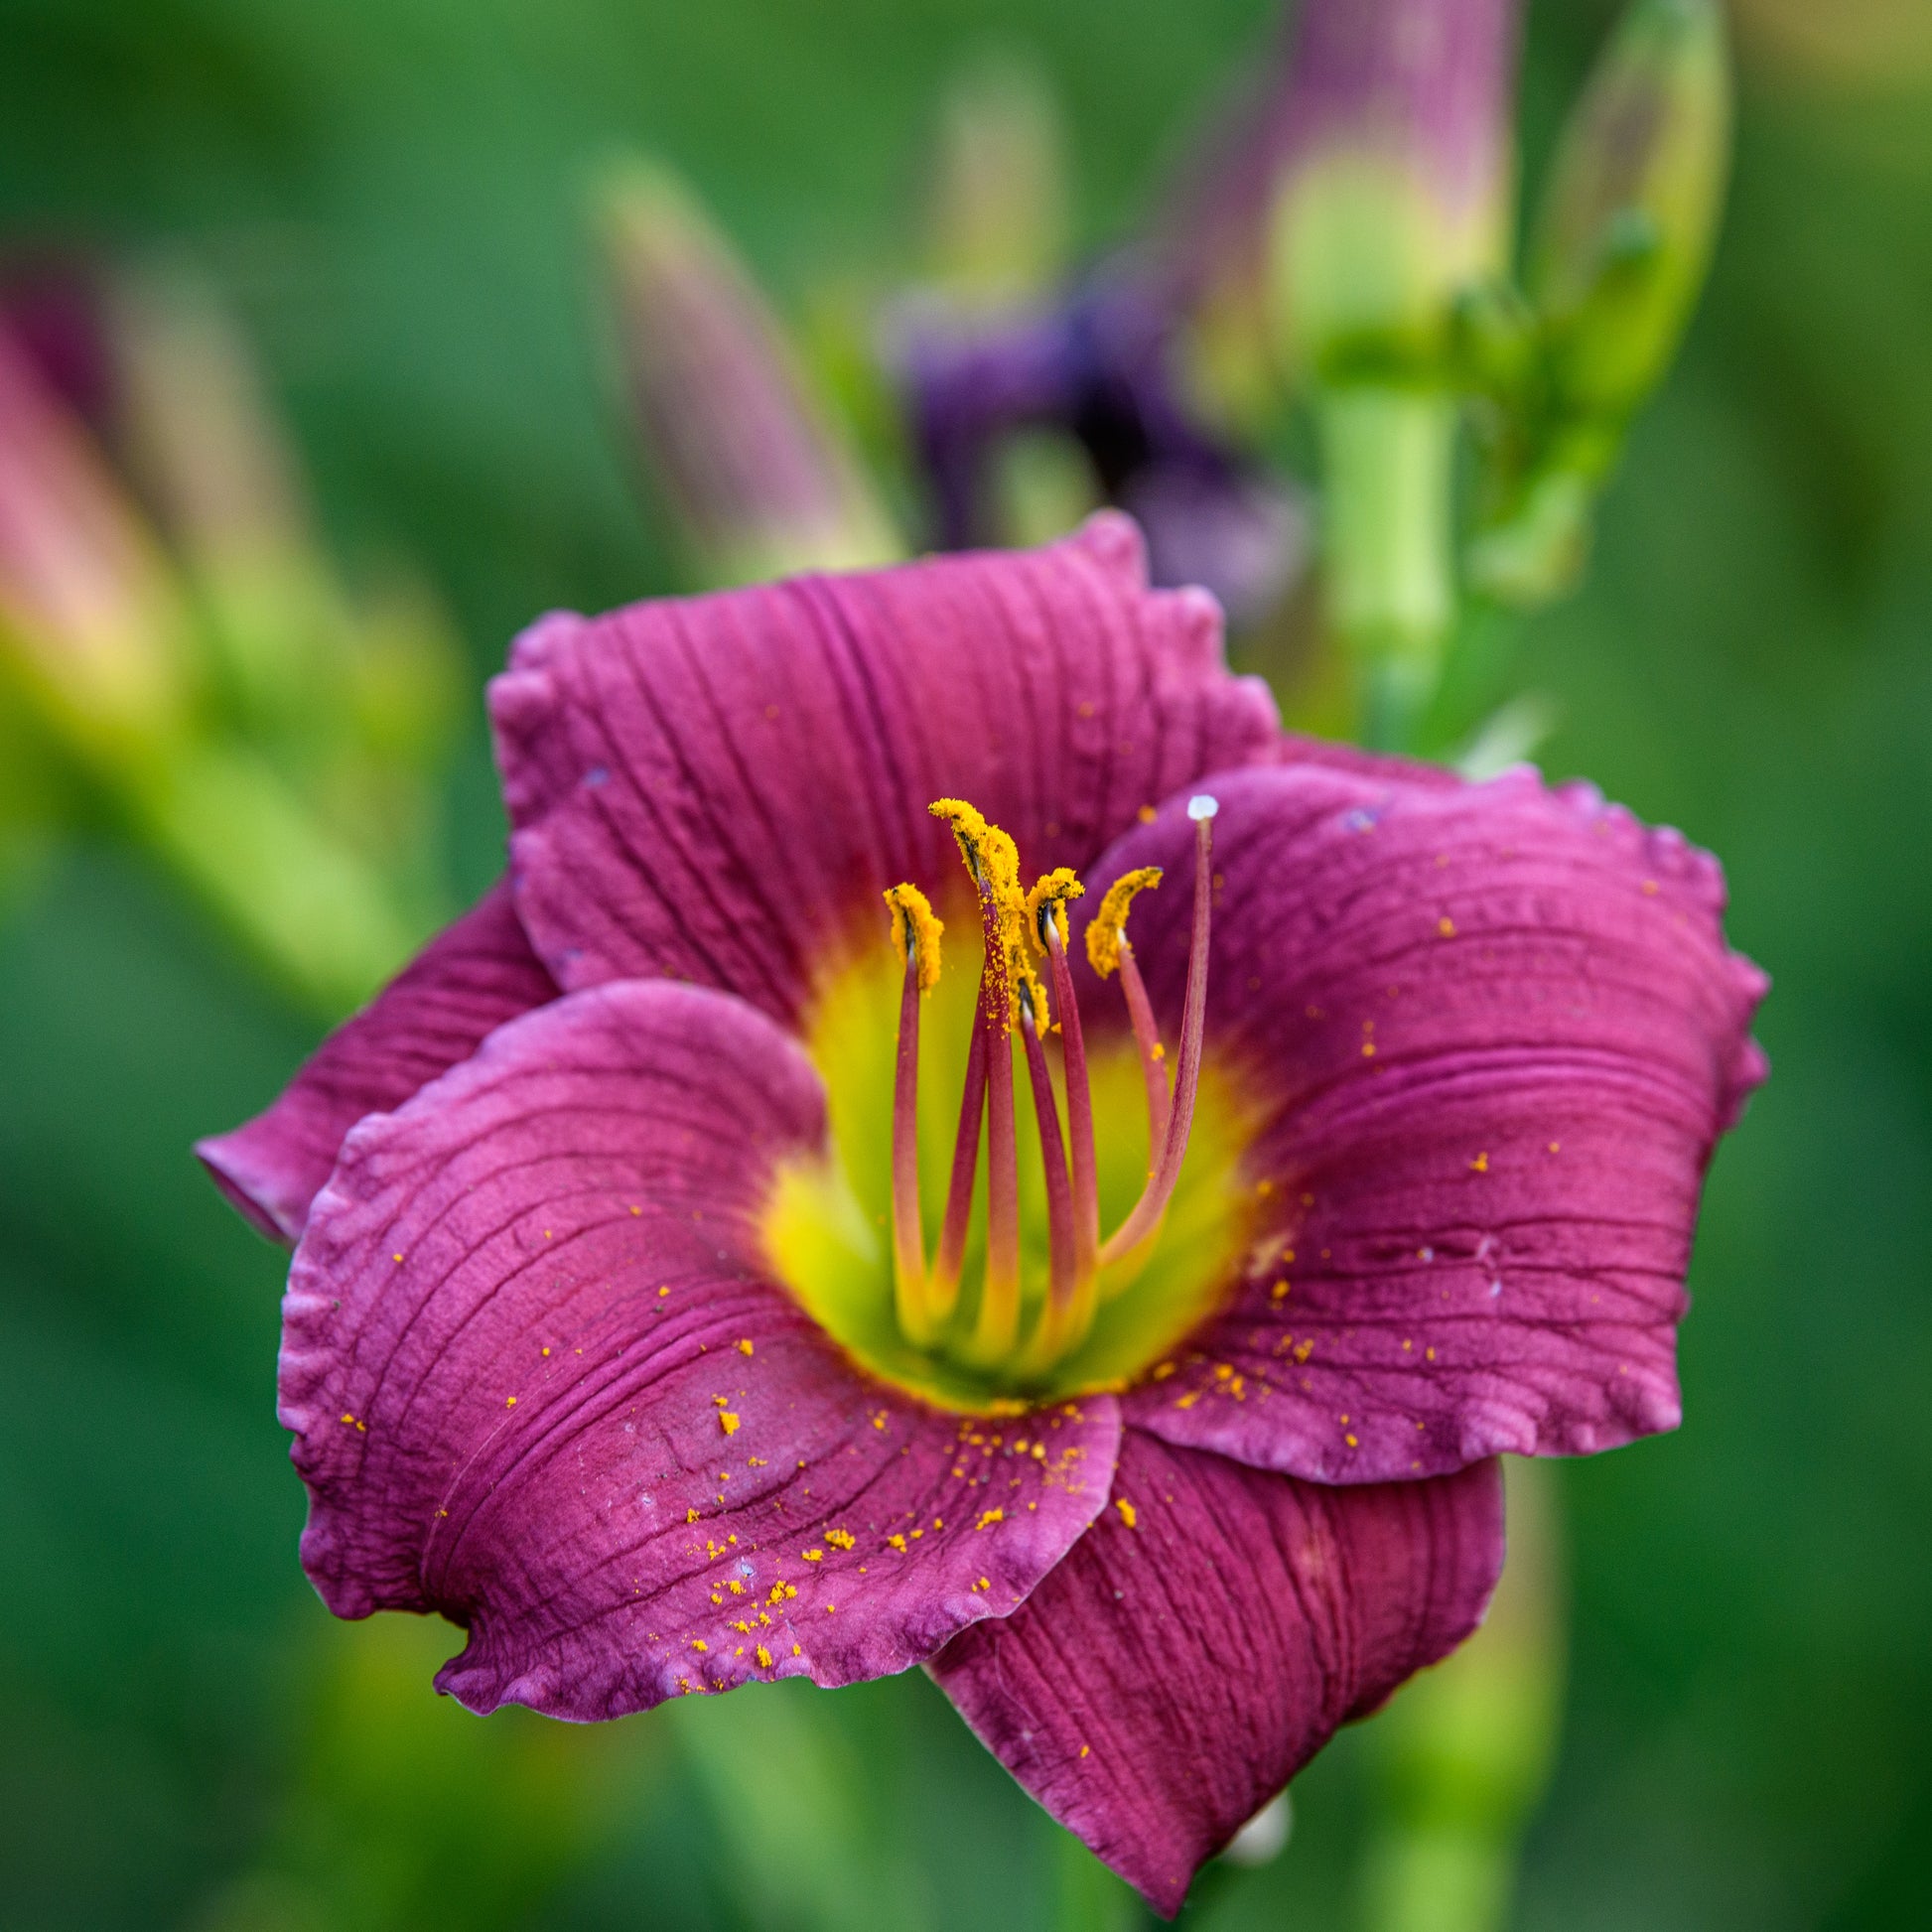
(1109, 924)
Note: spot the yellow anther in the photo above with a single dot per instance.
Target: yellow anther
(1028, 990)
(1048, 897)
(1109, 925)
(915, 932)
(989, 854)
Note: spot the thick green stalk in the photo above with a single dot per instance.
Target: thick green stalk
(1388, 525)
(1463, 1755)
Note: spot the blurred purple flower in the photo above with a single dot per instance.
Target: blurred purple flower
(564, 1364)
(1102, 367)
(1363, 180)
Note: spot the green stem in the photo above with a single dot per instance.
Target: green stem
(1388, 507)
(1463, 1754)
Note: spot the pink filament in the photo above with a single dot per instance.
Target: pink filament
(1153, 1204)
(1052, 1150)
(910, 1294)
(1154, 1063)
(943, 1282)
(1079, 1109)
(998, 1327)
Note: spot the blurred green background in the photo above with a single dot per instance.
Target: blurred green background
(393, 198)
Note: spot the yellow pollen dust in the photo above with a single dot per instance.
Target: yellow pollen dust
(915, 932)
(1049, 896)
(994, 862)
(1028, 991)
(1109, 928)
(989, 854)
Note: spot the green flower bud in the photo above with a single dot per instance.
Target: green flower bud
(1624, 234)
(998, 210)
(1396, 177)
(755, 477)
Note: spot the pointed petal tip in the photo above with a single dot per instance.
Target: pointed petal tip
(1194, 1686)
(250, 1188)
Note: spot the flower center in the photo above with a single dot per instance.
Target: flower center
(1104, 1215)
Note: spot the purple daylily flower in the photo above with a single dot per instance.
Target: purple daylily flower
(625, 1328)
(1102, 365)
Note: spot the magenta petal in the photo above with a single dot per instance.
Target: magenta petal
(1494, 1033)
(540, 1381)
(471, 978)
(1169, 1676)
(718, 789)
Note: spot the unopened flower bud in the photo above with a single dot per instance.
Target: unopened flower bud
(209, 457)
(998, 209)
(750, 465)
(1626, 226)
(1395, 173)
(91, 623)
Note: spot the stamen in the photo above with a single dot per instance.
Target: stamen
(1071, 1301)
(1107, 949)
(915, 932)
(1109, 925)
(1152, 1055)
(1046, 921)
(994, 862)
(1148, 1211)
(942, 1285)
(998, 1317)
(1052, 1149)
(989, 854)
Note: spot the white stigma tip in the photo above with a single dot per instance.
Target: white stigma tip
(1202, 806)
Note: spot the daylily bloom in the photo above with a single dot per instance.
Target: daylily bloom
(757, 1242)
(1103, 365)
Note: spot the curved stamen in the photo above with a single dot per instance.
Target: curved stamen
(1046, 907)
(1071, 1299)
(1052, 1149)
(917, 931)
(908, 1238)
(998, 1317)
(1153, 1204)
(994, 862)
(1079, 1110)
(1152, 1055)
(942, 1285)
(1108, 951)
